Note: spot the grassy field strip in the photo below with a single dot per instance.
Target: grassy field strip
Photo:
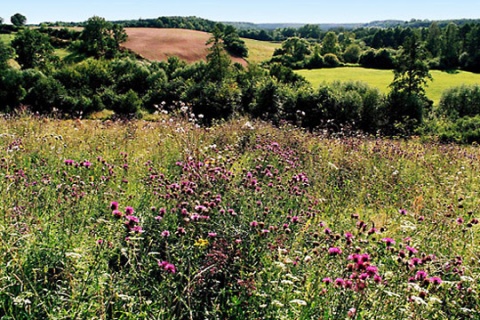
(259, 51)
(382, 78)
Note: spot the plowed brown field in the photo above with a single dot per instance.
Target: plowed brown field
(159, 44)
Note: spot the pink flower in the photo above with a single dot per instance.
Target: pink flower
(129, 211)
(334, 251)
(388, 241)
(165, 234)
(403, 212)
(212, 234)
(421, 275)
(435, 280)
(327, 280)
(412, 250)
(253, 224)
(114, 205)
(167, 266)
(117, 213)
(339, 282)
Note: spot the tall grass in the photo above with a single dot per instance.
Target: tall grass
(168, 220)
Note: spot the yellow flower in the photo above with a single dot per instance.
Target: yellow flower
(201, 243)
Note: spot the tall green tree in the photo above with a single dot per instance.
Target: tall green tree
(330, 43)
(101, 38)
(18, 19)
(434, 39)
(33, 49)
(451, 47)
(407, 100)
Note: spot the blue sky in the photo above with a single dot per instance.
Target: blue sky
(302, 11)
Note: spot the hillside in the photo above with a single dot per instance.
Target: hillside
(159, 44)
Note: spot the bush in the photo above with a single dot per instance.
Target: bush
(459, 102)
(378, 59)
(331, 60)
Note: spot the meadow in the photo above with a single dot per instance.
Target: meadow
(381, 79)
(243, 220)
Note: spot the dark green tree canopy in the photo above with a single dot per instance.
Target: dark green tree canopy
(101, 38)
(33, 49)
(18, 19)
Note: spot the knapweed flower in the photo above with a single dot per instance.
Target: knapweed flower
(388, 241)
(117, 213)
(69, 162)
(334, 251)
(403, 212)
(165, 234)
(327, 280)
(339, 282)
(129, 211)
(253, 224)
(114, 205)
(86, 164)
(411, 250)
(212, 234)
(435, 280)
(167, 266)
(421, 275)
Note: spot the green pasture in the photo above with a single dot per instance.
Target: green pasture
(6, 38)
(382, 78)
(259, 51)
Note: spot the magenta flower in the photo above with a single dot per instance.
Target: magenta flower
(377, 278)
(372, 270)
(117, 213)
(460, 220)
(435, 280)
(412, 250)
(165, 234)
(114, 205)
(403, 212)
(86, 164)
(212, 234)
(129, 211)
(137, 229)
(388, 241)
(69, 162)
(334, 251)
(167, 266)
(420, 275)
(339, 282)
(131, 219)
(253, 224)
(327, 280)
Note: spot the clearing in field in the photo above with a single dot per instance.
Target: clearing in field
(382, 78)
(160, 44)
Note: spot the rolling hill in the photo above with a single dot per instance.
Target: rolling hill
(159, 44)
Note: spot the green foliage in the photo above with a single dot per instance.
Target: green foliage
(18, 19)
(12, 91)
(101, 38)
(33, 49)
(331, 60)
(459, 102)
(352, 53)
(330, 44)
(378, 59)
(127, 105)
(407, 102)
(6, 53)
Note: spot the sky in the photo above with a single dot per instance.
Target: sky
(257, 11)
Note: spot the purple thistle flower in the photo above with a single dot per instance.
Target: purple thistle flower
(334, 251)
(117, 213)
(435, 280)
(129, 211)
(372, 270)
(253, 224)
(377, 278)
(165, 234)
(114, 205)
(411, 250)
(388, 241)
(403, 212)
(420, 275)
(339, 282)
(327, 280)
(167, 266)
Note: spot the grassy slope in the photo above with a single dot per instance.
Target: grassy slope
(382, 78)
(6, 38)
(259, 51)
(60, 238)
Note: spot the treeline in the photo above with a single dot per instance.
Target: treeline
(450, 47)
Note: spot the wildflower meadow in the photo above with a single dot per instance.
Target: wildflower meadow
(166, 219)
